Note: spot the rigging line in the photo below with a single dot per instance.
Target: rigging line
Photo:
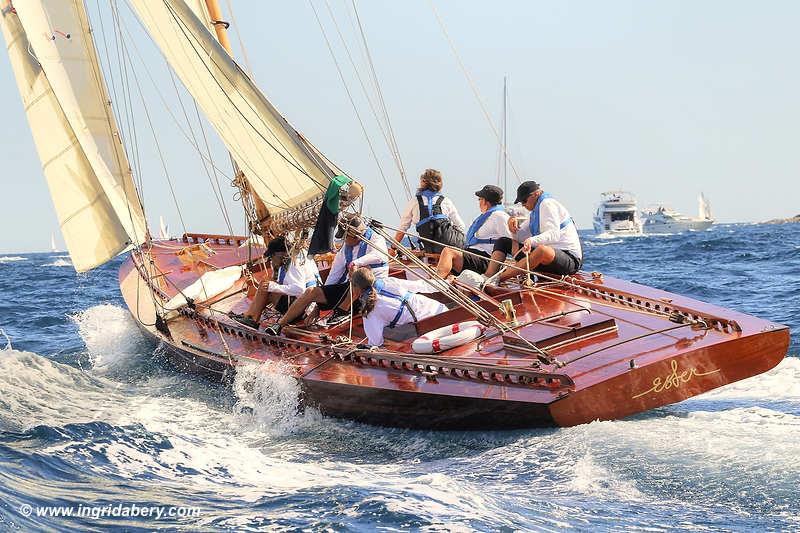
(217, 193)
(252, 175)
(123, 166)
(355, 109)
(382, 101)
(168, 108)
(134, 139)
(161, 156)
(239, 38)
(213, 168)
(180, 25)
(474, 87)
(395, 156)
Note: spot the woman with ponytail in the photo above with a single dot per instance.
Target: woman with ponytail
(391, 302)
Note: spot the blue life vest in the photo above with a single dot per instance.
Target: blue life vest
(362, 249)
(379, 286)
(429, 196)
(477, 224)
(534, 218)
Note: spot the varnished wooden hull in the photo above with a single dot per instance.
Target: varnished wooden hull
(615, 357)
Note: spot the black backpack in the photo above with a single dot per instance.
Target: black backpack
(437, 227)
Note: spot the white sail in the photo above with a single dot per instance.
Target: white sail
(279, 164)
(90, 221)
(704, 208)
(53, 243)
(163, 230)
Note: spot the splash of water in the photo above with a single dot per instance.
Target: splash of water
(111, 336)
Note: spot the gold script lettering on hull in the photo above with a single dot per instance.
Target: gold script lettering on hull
(673, 379)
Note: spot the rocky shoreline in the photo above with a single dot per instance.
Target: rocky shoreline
(791, 220)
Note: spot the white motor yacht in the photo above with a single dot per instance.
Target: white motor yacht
(617, 214)
(662, 219)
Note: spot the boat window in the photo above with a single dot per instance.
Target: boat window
(621, 216)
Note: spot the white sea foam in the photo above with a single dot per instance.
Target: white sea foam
(604, 243)
(780, 383)
(111, 336)
(59, 262)
(268, 399)
(12, 258)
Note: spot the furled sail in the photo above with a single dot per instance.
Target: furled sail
(59, 79)
(281, 168)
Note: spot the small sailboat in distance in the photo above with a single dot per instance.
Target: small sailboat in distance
(163, 229)
(53, 248)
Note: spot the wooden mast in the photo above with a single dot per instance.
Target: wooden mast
(220, 25)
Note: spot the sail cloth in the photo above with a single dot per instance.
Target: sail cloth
(282, 169)
(59, 79)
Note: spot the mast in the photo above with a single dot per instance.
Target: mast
(505, 137)
(220, 26)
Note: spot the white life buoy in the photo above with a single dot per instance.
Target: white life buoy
(448, 337)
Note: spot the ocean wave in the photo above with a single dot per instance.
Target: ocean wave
(112, 338)
(12, 258)
(59, 263)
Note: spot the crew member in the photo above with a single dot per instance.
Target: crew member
(291, 277)
(549, 238)
(362, 247)
(484, 232)
(433, 214)
(391, 302)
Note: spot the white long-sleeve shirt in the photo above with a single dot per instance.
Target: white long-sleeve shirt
(551, 215)
(494, 227)
(301, 273)
(410, 214)
(386, 307)
(375, 254)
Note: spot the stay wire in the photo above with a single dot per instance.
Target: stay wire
(474, 88)
(355, 108)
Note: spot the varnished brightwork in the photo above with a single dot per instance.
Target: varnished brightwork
(602, 364)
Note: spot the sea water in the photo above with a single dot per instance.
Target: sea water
(94, 420)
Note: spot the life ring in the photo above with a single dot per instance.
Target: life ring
(448, 337)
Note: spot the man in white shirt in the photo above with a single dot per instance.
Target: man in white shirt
(335, 293)
(291, 278)
(491, 225)
(440, 220)
(391, 302)
(549, 238)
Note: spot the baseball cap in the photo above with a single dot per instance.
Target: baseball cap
(491, 193)
(524, 190)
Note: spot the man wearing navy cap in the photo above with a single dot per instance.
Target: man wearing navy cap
(491, 225)
(549, 238)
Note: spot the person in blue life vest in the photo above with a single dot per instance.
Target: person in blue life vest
(434, 216)
(335, 292)
(491, 225)
(291, 276)
(390, 302)
(548, 237)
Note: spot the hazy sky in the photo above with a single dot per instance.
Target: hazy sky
(665, 99)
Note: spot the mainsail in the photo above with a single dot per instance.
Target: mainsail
(60, 81)
(281, 167)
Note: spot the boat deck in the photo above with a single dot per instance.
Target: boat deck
(588, 347)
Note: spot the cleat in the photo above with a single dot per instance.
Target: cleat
(273, 329)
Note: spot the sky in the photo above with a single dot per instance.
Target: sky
(663, 99)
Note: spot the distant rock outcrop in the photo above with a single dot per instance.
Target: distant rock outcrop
(791, 220)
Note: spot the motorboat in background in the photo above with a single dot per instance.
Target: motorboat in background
(663, 219)
(617, 214)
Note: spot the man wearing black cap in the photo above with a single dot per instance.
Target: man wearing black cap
(290, 279)
(335, 293)
(549, 237)
(491, 225)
